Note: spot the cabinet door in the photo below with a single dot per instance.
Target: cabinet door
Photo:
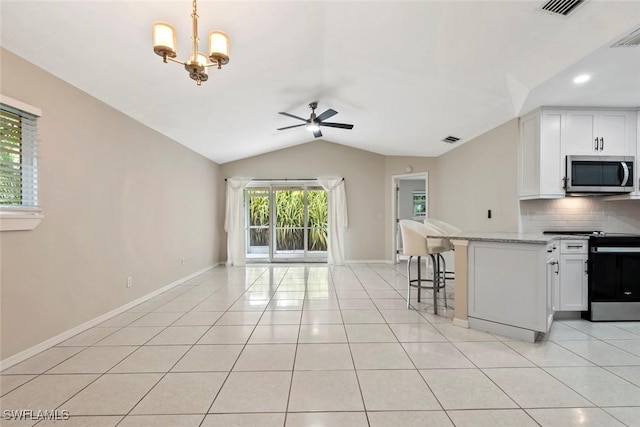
(551, 171)
(540, 160)
(529, 157)
(573, 282)
(613, 130)
(552, 291)
(580, 133)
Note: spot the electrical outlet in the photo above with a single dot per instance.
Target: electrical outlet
(183, 260)
(129, 282)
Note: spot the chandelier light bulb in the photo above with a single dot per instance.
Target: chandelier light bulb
(164, 40)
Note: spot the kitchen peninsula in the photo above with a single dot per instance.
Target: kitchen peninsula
(506, 283)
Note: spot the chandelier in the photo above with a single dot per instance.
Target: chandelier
(164, 44)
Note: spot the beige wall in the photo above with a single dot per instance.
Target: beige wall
(122, 200)
(463, 184)
(364, 183)
(478, 176)
(119, 200)
(397, 165)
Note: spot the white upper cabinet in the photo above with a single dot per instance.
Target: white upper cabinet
(634, 151)
(548, 135)
(599, 132)
(540, 161)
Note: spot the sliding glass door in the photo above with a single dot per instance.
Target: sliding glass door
(258, 218)
(286, 223)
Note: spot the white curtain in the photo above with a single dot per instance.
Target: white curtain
(337, 218)
(234, 221)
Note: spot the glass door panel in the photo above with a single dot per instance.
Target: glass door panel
(258, 223)
(317, 222)
(290, 223)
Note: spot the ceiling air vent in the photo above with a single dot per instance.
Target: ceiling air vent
(631, 40)
(561, 7)
(451, 139)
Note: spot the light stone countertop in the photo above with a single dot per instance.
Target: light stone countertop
(506, 237)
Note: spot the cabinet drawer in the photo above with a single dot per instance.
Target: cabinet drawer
(574, 246)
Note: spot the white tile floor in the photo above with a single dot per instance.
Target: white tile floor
(302, 345)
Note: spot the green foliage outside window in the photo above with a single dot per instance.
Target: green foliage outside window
(290, 220)
(10, 158)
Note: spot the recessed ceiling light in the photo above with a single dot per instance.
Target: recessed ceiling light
(581, 78)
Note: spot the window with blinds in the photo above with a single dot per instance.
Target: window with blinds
(18, 158)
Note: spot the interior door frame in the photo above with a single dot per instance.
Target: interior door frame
(394, 225)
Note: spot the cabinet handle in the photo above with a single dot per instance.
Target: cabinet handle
(586, 267)
(596, 144)
(574, 246)
(601, 144)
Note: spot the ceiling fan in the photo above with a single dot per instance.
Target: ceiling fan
(314, 122)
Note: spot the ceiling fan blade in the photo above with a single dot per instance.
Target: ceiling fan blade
(326, 115)
(336, 125)
(294, 126)
(317, 133)
(291, 115)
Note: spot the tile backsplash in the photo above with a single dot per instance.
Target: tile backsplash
(580, 213)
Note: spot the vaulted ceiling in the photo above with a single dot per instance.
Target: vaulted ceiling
(405, 73)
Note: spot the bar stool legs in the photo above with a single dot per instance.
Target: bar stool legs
(438, 280)
(443, 277)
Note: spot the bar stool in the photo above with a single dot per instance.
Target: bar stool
(444, 226)
(416, 244)
(445, 229)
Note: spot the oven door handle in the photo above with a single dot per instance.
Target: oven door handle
(625, 174)
(607, 249)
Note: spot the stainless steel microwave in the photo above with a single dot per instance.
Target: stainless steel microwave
(599, 174)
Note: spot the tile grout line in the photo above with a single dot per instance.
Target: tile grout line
(355, 370)
(240, 353)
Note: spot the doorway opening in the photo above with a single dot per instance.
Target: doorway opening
(410, 201)
(286, 222)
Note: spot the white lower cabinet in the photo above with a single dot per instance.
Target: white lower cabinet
(553, 280)
(573, 275)
(510, 288)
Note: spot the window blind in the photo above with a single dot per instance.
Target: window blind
(18, 158)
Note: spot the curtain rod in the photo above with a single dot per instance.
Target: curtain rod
(284, 179)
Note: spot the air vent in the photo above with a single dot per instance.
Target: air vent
(631, 40)
(451, 139)
(561, 7)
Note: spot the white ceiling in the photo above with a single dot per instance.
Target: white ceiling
(405, 73)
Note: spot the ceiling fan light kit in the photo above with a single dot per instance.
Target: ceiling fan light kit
(314, 122)
(164, 44)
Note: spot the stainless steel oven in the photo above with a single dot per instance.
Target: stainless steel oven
(614, 278)
(599, 174)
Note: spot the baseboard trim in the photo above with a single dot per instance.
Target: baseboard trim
(461, 323)
(508, 331)
(369, 261)
(38, 348)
